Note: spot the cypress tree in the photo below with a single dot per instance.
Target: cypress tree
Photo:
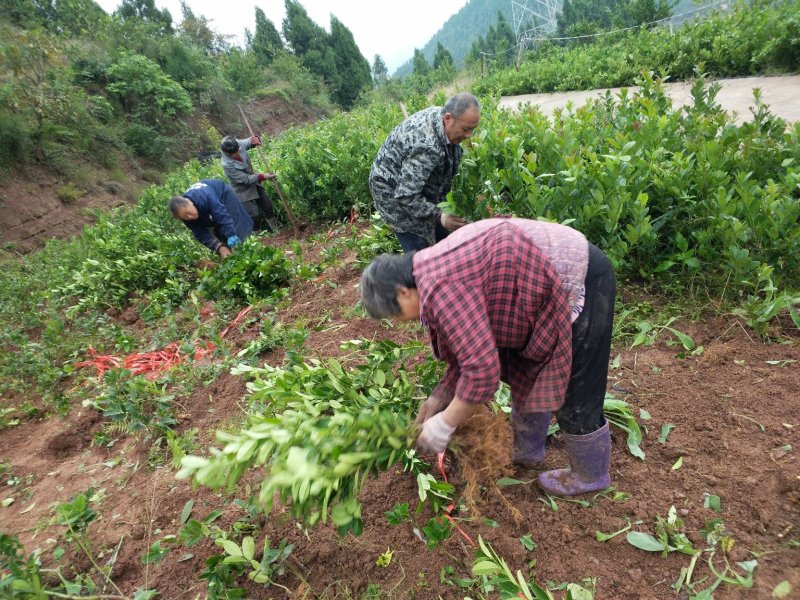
(351, 67)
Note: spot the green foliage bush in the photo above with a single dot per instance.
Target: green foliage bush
(146, 92)
(324, 167)
(756, 37)
(15, 141)
(253, 271)
(677, 194)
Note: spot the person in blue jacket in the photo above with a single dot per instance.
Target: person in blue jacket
(214, 215)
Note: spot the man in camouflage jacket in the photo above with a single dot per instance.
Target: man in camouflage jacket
(415, 167)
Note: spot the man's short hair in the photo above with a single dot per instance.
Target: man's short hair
(380, 282)
(176, 203)
(461, 103)
(229, 145)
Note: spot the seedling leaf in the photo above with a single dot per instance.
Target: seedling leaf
(645, 541)
(678, 464)
(782, 590)
(509, 481)
(484, 567)
(665, 429)
(187, 511)
(527, 542)
(713, 502)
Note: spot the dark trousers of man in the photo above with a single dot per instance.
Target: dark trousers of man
(260, 209)
(411, 241)
(582, 412)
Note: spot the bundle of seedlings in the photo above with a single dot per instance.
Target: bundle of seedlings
(319, 431)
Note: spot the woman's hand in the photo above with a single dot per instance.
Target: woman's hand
(430, 407)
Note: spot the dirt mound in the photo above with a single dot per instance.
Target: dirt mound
(32, 209)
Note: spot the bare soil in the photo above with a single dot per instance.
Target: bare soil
(736, 430)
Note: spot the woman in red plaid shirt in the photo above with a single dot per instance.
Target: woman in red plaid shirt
(526, 302)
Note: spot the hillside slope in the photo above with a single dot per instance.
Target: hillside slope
(36, 204)
(460, 30)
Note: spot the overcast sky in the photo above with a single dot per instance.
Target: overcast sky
(389, 28)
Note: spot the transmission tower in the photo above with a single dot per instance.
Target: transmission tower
(534, 19)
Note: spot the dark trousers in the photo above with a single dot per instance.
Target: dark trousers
(260, 209)
(411, 241)
(582, 412)
(265, 203)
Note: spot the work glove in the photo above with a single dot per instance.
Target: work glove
(436, 433)
(233, 240)
(255, 140)
(451, 222)
(263, 176)
(430, 407)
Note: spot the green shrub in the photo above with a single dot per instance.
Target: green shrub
(324, 167)
(681, 195)
(755, 37)
(15, 141)
(253, 271)
(69, 192)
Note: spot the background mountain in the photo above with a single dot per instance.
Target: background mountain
(460, 30)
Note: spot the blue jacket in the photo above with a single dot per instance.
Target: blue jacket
(220, 214)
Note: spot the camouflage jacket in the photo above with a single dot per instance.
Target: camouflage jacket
(244, 180)
(413, 172)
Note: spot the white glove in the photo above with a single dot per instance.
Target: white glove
(430, 407)
(436, 433)
(451, 222)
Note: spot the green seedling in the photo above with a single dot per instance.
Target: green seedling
(713, 502)
(385, 559)
(666, 428)
(496, 575)
(398, 514)
(669, 537)
(527, 542)
(437, 530)
(446, 577)
(550, 501)
(264, 571)
(359, 422)
(604, 537)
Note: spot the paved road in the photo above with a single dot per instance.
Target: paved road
(781, 94)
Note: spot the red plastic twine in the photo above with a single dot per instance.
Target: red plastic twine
(153, 364)
(449, 509)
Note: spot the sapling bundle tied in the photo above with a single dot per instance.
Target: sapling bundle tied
(319, 431)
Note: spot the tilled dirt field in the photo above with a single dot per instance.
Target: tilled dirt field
(735, 413)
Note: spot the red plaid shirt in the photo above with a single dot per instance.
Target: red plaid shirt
(496, 309)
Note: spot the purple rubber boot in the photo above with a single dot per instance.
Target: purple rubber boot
(530, 431)
(589, 459)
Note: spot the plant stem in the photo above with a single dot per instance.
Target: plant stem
(91, 559)
(95, 597)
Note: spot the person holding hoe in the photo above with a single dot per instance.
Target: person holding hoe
(246, 182)
(214, 215)
(527, 302)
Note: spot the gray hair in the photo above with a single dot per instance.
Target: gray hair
(461, 103)
(380, 282)
(176, 203)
